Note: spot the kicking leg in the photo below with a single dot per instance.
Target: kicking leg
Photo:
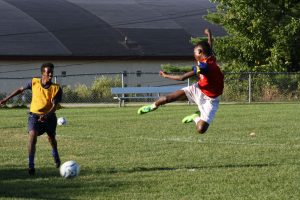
(177, 95)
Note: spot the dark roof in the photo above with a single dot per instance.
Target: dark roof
(101, 28)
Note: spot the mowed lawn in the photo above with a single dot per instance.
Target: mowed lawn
(154, 156)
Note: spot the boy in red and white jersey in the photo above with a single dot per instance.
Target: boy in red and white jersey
(205, 93)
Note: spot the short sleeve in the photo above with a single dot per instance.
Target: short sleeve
(28, 85)
(204, 67)
(58, 97)
(196, 70)
(201, 68)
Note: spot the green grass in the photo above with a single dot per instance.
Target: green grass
(154, 156)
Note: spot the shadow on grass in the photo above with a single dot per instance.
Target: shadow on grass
(16, 183)
(22, 174)
(151, 169)
(48, 184)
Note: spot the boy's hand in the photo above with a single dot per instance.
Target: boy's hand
(2, 102)
(207, 31)
(42, 118)
(162, 73)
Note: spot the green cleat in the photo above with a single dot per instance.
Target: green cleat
(189, 118)
(145, 109)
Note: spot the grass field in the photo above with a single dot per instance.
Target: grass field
(154, 156)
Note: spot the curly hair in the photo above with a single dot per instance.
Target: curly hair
(205, 47)
(47, 65)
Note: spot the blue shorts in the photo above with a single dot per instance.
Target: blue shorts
(48, 126)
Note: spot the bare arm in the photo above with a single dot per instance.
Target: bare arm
(207, 32)
(15, 93)
(177, 77)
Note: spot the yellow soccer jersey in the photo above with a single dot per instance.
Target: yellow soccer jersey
(42, 98)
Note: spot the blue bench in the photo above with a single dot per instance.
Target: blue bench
(144, 92)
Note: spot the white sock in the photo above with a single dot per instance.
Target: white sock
(153, 106)
(196, 119)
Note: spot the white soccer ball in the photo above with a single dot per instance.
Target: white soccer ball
(61, 121)
(69, 169)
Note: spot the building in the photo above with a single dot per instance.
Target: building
(97, 36)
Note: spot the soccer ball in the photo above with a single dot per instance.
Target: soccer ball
(61, 121)
(69, 169)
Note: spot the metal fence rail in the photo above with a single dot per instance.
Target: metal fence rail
(96, 88)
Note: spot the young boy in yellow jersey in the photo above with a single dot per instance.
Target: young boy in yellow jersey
(45, 100)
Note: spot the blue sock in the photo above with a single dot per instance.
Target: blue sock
(55, 153)
(31, 161)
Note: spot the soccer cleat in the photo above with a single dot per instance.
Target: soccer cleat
(190, 118)
(31, 171)
(57, 162)
(145, 109)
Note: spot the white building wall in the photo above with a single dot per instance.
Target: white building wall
(14, 74)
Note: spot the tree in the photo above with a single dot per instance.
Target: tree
(263, 35)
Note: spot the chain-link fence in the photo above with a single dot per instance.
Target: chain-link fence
(96, 88)
(261, 87)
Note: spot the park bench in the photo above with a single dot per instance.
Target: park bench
(127, 93)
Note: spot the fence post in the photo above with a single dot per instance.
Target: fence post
(249, 88)
(122, 79)
(122, 101)
(189, 103)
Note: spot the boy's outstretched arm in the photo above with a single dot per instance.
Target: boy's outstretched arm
(14, 93)
(207, 32)
(177, 77)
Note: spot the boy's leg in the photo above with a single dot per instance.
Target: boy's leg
(34, 128)
(201, 125)
(31, 151)
(208, 108)
(51, 132)
(53, 143)
(177, 95)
